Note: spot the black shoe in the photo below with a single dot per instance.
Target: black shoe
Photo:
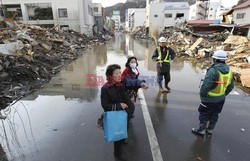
(167, 87)
(198, 132)
(119, 156)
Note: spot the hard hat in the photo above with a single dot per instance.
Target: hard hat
(220, 55)
(162, 39)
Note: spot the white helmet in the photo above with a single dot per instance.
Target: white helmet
(220, 55)
(162, 39)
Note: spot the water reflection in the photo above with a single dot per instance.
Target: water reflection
(72, 82)
(200, 150)
(118, 44)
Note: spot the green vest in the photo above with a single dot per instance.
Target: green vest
(160, 56)
(222, 84)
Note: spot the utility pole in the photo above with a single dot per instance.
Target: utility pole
(2, 8)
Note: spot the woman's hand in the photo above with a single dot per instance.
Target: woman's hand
(144, 86)
(124, 106)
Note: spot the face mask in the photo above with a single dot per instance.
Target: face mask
(133, 65)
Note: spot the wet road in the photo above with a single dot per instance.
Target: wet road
(58, 122)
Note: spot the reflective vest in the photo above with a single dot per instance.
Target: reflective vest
(160, 57)
(222, 84)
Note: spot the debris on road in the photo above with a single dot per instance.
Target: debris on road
(239, 58)
(31, 55)
(140, 33)
(200, 47)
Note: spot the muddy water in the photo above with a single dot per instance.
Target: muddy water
(58, 121)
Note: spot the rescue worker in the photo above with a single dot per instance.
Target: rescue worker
(218, 83)
(162, 56)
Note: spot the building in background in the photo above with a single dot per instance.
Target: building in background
(199, 10)
(98, 16)
(74, 14)
(137, 18)
(165, 14)
(206, 10)
(241, 16)
(116, 16)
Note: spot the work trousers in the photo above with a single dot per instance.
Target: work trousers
(209, 113)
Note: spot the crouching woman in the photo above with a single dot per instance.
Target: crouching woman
(113, 94)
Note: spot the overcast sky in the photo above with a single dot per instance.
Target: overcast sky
(105, 3)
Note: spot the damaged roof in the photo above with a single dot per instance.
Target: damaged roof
(243, 5)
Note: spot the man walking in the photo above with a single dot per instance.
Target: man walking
(217, 84)
(162, 56)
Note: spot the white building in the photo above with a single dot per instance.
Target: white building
(198, 11)
(206, 10)
(161, 15)
(74, 14)
(241, 15)
(98, 16)
(137, 17)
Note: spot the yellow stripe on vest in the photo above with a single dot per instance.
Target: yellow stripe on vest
(160, 56)
(222, 84)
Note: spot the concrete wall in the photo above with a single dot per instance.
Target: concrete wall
(129, 22)
(198, 11)
(213, 9)
(73, 15)
(156, 18)
(99, 6)
(245, 20)
(79, 18)
(192, 12)
(138, 17)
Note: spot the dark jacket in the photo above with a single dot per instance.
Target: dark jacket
(165, 66)
(113, 95)
(131, 79)
(208, 83)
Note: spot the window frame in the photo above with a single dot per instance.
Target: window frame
(94, 8)
(180, 16)
(63, 10)
(168, 14)
(240, 16)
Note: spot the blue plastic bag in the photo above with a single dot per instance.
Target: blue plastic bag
(115, 125)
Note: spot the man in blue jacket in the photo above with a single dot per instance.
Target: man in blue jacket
(217, 84)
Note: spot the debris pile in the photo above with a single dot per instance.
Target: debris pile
(188, 43)
(139, 33)
(31, 55)
(239, 58)
(197, 46)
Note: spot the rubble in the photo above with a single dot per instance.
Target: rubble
(31, 55)
(195, 45)
(200, 47)
(140, 33)
(239, 59)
